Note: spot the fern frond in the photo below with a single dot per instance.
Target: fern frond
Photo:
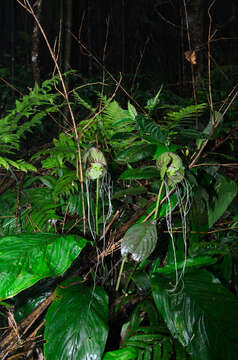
(41, 210)
(65, 150)
(66, 185)
(113, 114)
(148, 127)
(185, 115)
(83, 102)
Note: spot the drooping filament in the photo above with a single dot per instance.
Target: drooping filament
(105, 207)
(183, 202)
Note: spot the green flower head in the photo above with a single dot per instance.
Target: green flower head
(171, 168)
(96, 165)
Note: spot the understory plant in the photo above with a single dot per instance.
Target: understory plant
(153, 274)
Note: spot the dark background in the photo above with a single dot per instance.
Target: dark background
(147, 38)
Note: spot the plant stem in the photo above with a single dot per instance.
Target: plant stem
(97, 201)
(120, 272)
(158, 200)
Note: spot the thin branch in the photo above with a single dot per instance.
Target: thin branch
(90, 54)
(27, 6)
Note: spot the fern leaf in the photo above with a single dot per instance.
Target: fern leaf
(185, 115)
(83, 102)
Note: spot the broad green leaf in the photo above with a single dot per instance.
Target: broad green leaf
(139, 241)
(76, 323)
(226, 190)
(144, 173)
(127, 353)
(28, 300)
(27, 258)
(136, 153)
(190, 263)
(202, 315)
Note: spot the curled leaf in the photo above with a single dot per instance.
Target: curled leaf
(190, 55)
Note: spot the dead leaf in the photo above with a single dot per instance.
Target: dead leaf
(190, 55)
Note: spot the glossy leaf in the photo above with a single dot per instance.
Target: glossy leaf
(144, 173)
(127, 353)
(203, 314)
(139, 241)
(136, 153)
(27, 258)
(76, 323)
(190, 262)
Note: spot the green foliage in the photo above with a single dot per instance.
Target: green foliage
(126, 353)
(27, 258)
(182, 255)
(28, 113)
(136, 153)
(64, 150)
(196, 314)
(139, 241)
(225, 192)
(141, 173)
(184, 116)
(76, 322)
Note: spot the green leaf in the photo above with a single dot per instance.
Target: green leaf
(157, 352)
(150, 130)
(76, 323)
(127, 353)
(144, 173)
(190, 263)
(132, 110)
(226, 190)
(202, 315)
(139, 241)
(136, 153)
(27, 258)
(167, 350)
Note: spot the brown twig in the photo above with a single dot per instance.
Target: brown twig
(209, 59)
(142, 53)
(90, 54)
(197, 156)
(109, 225)
(10, 341)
